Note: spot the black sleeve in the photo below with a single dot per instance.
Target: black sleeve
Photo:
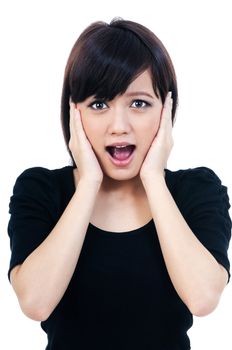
(204, 203)
(32, 212)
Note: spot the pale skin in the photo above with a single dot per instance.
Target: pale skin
(196, 275)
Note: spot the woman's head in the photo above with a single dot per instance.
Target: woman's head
(106, 58)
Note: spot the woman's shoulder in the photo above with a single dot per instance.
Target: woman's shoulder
(40, 179)
(200, 181)
(197, 185)
(39, 170)
(198, 175)
(43, 174)
(54, 187)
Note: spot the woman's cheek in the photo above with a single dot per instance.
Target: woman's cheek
(88, 127)
(155, 129)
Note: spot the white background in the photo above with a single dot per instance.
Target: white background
(36, 38)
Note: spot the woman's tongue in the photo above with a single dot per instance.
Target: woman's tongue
(121, 153)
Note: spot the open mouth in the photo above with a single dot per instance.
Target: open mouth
(120, 152)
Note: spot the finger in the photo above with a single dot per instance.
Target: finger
(166, 116)
(78, 126)
(72, 106)
(74, 115)
(71, 117)
(165, 125)
(167, 108)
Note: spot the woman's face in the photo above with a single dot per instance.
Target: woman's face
(132, 118)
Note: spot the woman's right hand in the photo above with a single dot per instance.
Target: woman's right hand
(89, 169)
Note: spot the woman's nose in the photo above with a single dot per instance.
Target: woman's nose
(119, 122)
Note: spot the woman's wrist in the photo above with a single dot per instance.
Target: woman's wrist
(88, 185)
(154, 180)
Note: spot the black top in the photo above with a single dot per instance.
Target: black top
(120, 296)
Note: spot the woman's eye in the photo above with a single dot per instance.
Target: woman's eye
(98, 105)
(139, 104)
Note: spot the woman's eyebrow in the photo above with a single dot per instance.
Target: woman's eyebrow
(136, 93)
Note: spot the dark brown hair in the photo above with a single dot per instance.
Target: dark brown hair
(106, 58)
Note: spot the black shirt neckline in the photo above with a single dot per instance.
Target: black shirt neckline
(112, 233)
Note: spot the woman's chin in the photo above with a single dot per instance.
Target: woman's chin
(121, 174)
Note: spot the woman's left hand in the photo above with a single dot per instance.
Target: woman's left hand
(159, 151)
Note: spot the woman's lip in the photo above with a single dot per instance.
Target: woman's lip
(120, 144)
(121, 163)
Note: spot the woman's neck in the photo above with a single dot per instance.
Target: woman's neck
(122, 189)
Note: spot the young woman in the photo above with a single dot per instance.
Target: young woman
(116, 251)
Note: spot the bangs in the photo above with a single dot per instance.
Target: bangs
(107, 64)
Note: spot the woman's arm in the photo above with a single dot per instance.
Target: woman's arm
(42, 279)
(196, 275)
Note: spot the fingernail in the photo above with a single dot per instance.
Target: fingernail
(170, 94)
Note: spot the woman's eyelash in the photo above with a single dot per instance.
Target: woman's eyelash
(100, 104)
(141, 102)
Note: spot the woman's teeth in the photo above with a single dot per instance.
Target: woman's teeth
(120, 152)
